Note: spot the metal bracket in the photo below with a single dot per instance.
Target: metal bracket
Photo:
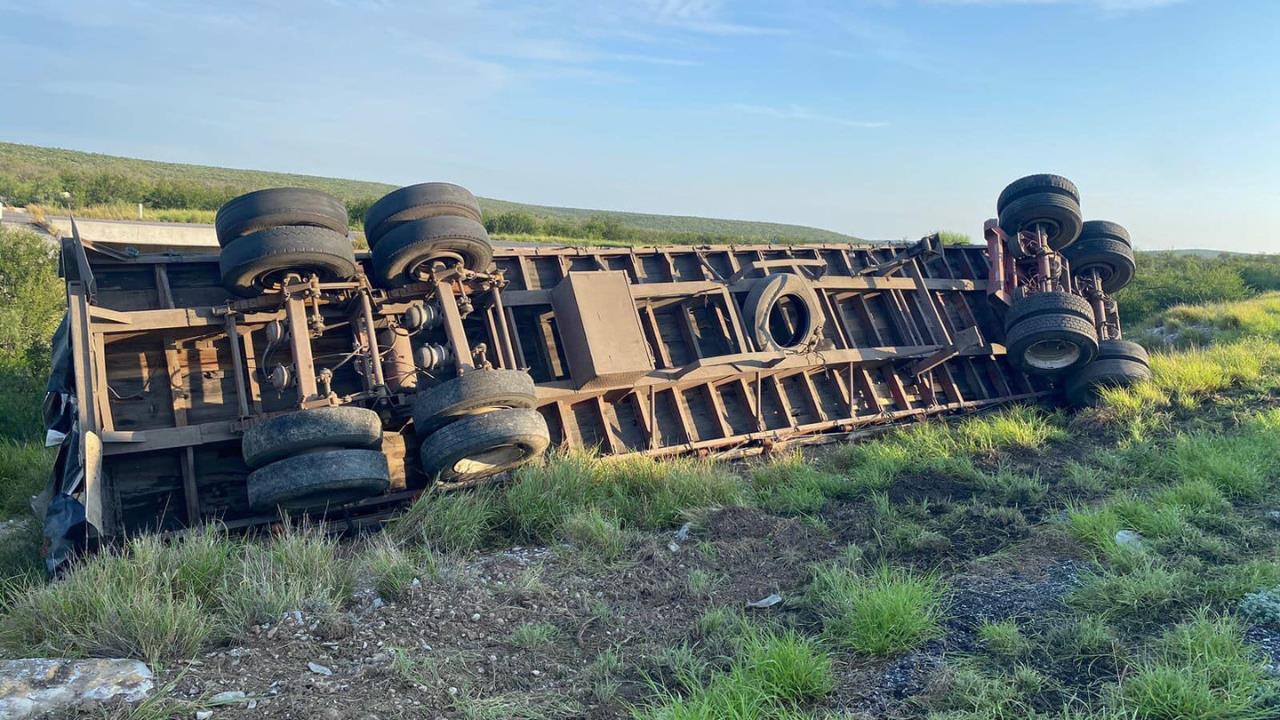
(927, 246)
(964, 340)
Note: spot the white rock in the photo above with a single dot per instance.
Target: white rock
(1128, 537)
(41, 685)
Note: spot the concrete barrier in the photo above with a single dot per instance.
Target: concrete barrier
(140, 233)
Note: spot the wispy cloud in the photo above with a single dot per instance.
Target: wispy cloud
(798, 112)
(1106, 6)
(703, 16)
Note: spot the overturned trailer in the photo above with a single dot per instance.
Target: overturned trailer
(282, 370)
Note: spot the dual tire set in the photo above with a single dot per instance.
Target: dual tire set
(472, 427)
(1055, 333)
(268, 235)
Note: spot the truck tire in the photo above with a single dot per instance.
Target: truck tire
(1048, 303)
(277, 207)
(400, 254)
(1105, 228)
(416, 202)
(1038, 183)
(1058, 213)
(1051, 345)
(477, 447)
(312, 480)
(1122, 350)
(1083, 387)
(346, 426)
(1103, 248)
(476, 392)
(257, 262)
(763, 301)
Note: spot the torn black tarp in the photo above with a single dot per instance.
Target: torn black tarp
(65, 529)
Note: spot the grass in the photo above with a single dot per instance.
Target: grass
(1003, 638)
(641, 492)
(533, 635)
(774, 674)
(156, 600)
(24, 471)
(129, 211)
(392, 567)
(1186, 326)
(451, 522)
(881, 611)
(791, 485)
(1201, 669)
(946, 448)
(596, 535)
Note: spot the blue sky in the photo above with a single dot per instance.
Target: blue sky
(879, 118)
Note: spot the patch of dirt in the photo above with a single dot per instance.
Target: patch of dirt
(459, 633)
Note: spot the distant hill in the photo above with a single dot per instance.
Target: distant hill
(1198, 252)
(31, 164)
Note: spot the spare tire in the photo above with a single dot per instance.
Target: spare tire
(257, 262)
(1038, 183)
(277, 207)
(1083, 387)
(312, 480)
(1048, 303)
(1051, 344)
(772, 302)
(1106, 251)
(416, 202)
(401, 253)
(471, 393)
(345, 426)
(480, 446)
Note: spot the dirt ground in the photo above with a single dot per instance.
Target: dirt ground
(445, 649)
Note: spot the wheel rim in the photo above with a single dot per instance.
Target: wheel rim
(422, 269)
(1051, 228)
(789, 321)
(1052, 354)
(274, 280)
(491, 460)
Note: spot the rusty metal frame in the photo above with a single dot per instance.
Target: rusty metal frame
(907, 331)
